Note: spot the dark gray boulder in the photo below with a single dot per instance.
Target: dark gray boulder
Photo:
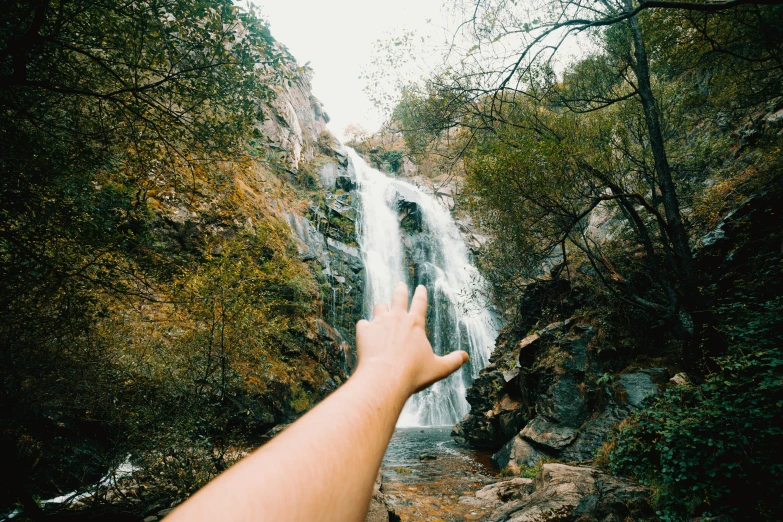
(518, 453)
(639, 386)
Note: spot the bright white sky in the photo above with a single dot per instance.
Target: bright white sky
(337, 37)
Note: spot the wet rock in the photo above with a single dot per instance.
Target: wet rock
(508, 416)
(445, 198)
(503, 399)
(510, 376)
(593, 433)
(740, 236)
(477, 429)
(350, 252)
(509, 424)
(318, 109)
(639, 386)
(549, 404)
(570, 493)
(427, 456)
(518, 453)
(409, 168)
(346, 183)
(379, 510)
(489, 497)
(409, 214)
(547, 433)
(505, 490)
(775, 119)
(529, 346)
(310, 242)
(505, 404)
(712, 238)
(298, 122)
(338, 152)
(563, 403)
(276, 430)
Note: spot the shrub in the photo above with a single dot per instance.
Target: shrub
(715, 448)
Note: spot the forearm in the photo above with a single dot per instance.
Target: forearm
(321, 468)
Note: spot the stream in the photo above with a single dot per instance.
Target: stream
(425, 473)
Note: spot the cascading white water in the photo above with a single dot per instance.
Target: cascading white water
(437, 259)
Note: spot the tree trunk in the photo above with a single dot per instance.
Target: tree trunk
(689, 316)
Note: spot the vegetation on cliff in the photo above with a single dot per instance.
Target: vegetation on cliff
(615, 173)
(153, 303)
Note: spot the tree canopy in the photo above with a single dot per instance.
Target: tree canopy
(140, 313)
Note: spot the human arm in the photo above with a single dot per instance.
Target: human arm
(322, 467)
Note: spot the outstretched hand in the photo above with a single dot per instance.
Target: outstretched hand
(395, 360)
(395, 343)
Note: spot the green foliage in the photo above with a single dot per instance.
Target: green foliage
(386, 159)
(715, 448)
(306, 176)
(149, 305)
(606, 378)
(393, 158)
(589, 174)
(530, 472)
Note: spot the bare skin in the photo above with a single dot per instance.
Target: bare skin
(322, 468)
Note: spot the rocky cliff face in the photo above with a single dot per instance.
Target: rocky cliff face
(547, 394)
(553, 392)
(297, 122)
(324, 228)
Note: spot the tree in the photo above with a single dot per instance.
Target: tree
(500, 93)
(111, 111)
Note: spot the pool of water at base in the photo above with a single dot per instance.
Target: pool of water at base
(425, 473)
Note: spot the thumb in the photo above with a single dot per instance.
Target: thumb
(450, 363)
(443, 366)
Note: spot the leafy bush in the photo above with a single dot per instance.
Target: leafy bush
(524, 471)
(715, 448)
(393, 158)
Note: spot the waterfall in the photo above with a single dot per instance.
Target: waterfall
(432, 253)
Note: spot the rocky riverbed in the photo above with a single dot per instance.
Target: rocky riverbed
(425, 475)
(428, 478)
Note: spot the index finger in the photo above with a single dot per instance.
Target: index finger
(419, 304)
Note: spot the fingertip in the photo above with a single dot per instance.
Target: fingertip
(419, 303)
(379, 310)
(400, 297)
(455, 360)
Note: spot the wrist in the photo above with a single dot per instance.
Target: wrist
(385, 381)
